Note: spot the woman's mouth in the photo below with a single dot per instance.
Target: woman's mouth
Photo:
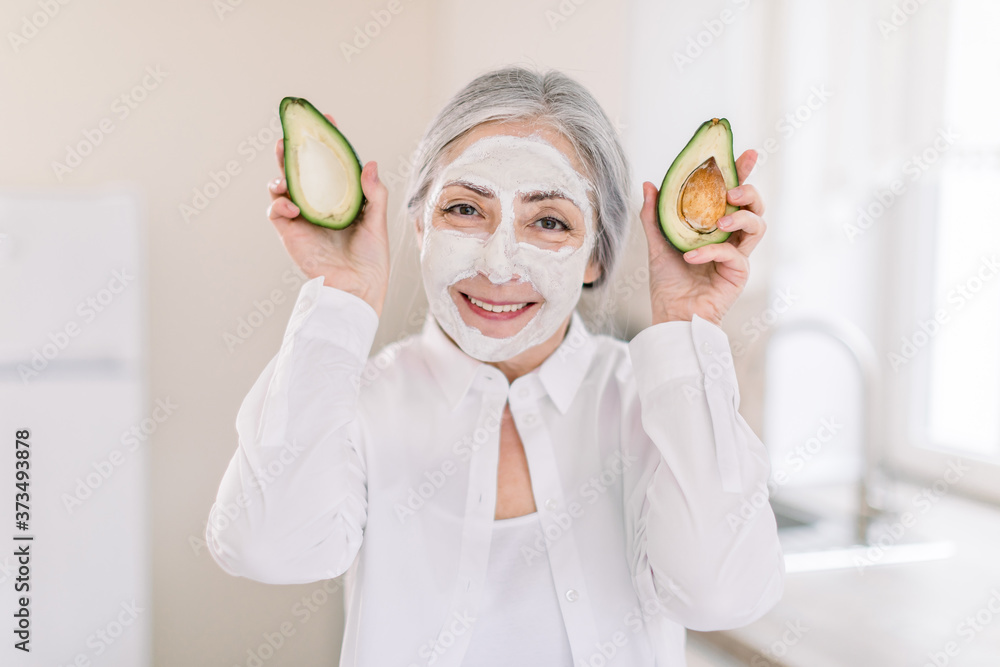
(494, 311)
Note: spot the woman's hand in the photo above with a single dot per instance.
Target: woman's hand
(705, 281)
(354, 259)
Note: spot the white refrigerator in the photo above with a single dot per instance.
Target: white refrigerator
(76, 422)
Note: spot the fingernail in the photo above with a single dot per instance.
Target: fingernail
(375, 172)
(723, 222)
(735, 193)
(691, 254)
(294, 209)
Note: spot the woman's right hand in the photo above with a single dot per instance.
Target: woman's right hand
(354, 259)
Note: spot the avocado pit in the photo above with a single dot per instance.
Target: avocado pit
(702, 200)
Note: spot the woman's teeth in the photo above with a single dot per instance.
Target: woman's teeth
(497, 309)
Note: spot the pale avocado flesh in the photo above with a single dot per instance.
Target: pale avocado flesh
(693, 194)
(322, 169)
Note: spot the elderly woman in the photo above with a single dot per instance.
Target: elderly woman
(507, 487)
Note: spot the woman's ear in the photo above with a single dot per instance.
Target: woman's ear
(419, 230)
(592, 273)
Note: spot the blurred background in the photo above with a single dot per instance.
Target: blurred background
(142, 291)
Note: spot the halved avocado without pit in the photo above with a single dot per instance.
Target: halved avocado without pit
(693, 194)
(322, 169)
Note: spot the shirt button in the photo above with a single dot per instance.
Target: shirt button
(523, 393)
(529, 419)
(551, 504)
(572, 595)
(304, 305)
(707, 348)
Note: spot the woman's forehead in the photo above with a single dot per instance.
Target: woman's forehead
(518, 162)
(529, 130)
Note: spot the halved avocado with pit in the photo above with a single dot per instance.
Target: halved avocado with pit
(321, 167)
(693, 194)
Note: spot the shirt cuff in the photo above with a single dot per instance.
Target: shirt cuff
(670, 350)
(332, 314)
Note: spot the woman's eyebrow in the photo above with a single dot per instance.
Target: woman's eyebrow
(485, 192)
(526, 197)
(542, 195)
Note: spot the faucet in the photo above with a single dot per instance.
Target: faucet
(863, 353)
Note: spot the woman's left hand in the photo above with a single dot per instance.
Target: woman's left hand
(705, 281)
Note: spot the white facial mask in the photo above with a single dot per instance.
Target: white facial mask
(508, 166)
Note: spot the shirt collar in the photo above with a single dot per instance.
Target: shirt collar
(561, 374)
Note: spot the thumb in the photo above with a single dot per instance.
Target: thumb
(654, 237)
(377, 196)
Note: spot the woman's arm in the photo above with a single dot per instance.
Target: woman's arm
(705, 540)
(292, 504)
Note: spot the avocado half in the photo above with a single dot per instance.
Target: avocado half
(322, 169)
(693, 194)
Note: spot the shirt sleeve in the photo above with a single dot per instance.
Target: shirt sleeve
(704, 545)
(292, 505)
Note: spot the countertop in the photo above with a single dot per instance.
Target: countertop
(937, 613)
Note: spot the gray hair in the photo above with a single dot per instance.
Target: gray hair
(519, 94)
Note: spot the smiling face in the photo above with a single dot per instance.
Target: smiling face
(505, 239)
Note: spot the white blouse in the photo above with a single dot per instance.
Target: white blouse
(646, 478)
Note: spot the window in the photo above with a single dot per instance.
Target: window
(943, 342)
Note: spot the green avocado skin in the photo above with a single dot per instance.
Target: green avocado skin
(671, 235)
(292, 179)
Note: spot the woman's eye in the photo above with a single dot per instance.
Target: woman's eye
(553, 224)
(462, 209)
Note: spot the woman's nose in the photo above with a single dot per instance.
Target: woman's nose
(497, 260)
